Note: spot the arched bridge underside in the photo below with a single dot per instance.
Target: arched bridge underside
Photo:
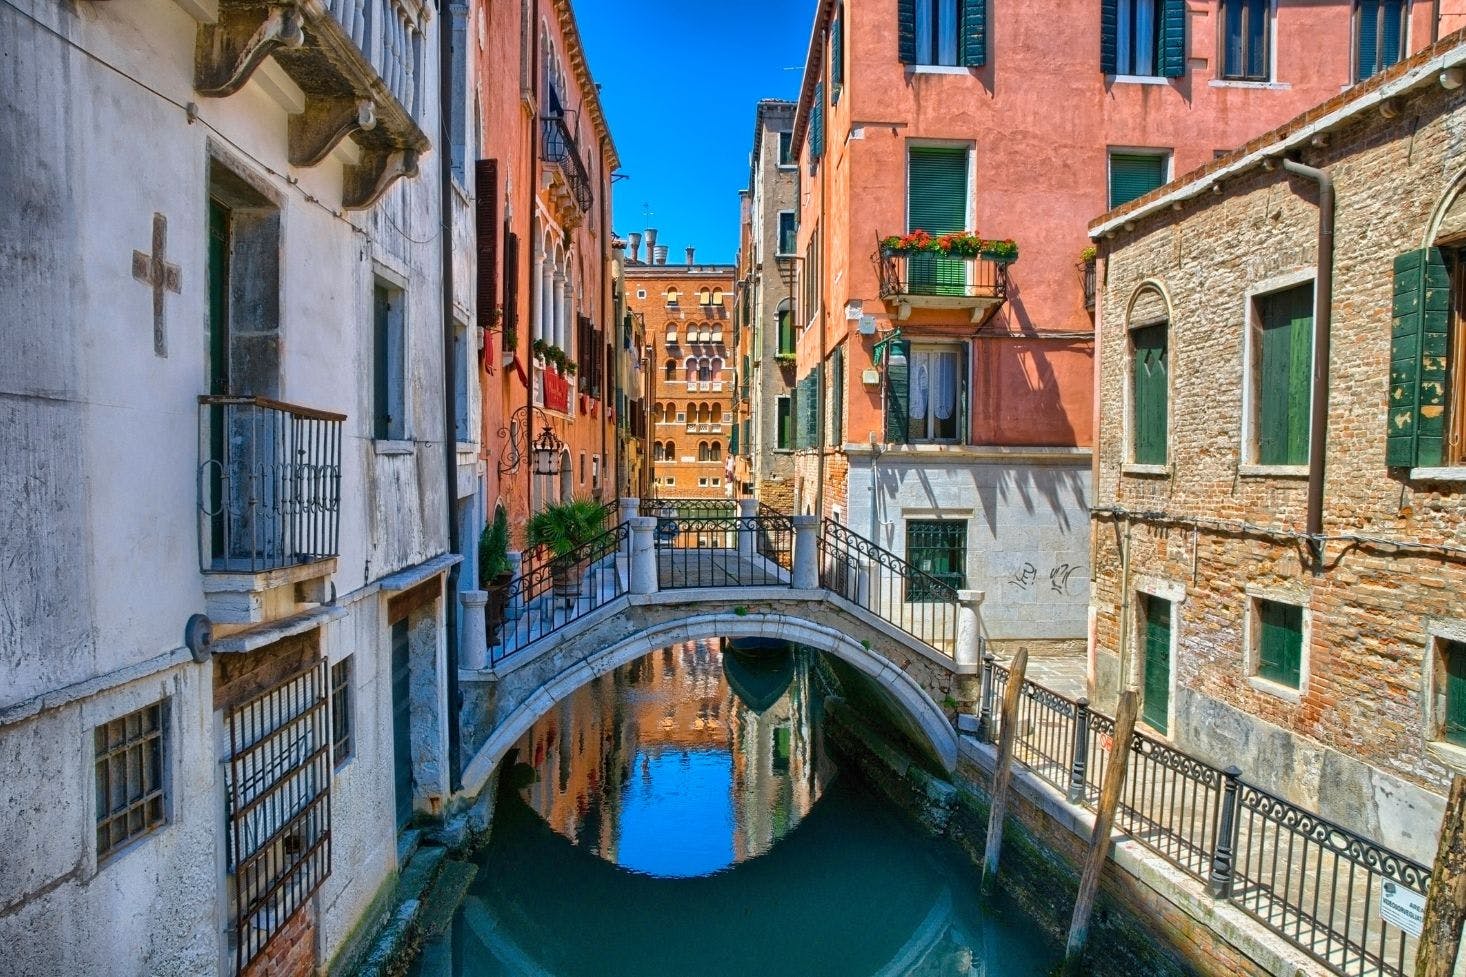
(502, 703)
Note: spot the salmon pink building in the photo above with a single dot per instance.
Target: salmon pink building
(944, 399)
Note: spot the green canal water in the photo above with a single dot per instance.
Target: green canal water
(682, 816)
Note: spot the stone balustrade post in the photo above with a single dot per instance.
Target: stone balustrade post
(806, 553)
(627, 509)
(514, 608)
(967, 652)
(748, 528)
(643, 554)
(473, 652)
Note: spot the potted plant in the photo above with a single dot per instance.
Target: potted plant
(540, 349)
(563, 528)
(494, 573)
(956, 244)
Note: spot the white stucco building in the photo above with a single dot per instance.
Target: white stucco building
(224, 394)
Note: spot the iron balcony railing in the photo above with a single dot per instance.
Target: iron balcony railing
(559, 147)
(1089, 280)
(1311, 881)
(269, 486)
(927, 273)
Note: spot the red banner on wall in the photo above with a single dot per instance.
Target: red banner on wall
(557, 392)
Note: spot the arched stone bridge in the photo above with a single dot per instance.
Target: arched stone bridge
(653, 582)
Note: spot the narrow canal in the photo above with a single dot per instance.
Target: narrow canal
(683, 815)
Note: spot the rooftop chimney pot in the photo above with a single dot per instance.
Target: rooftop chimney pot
(634, 239)
(689, 256)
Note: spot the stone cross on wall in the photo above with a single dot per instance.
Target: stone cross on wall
(155, 270)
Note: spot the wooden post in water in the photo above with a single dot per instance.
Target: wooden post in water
(1003, 773)
(1099, 842)
(1440, 939)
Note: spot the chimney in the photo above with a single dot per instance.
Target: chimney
(689, 256)
(651, 245)
(634, 239)
(661, 254)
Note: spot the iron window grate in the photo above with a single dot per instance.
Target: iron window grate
(938, 548)
(131, 797)
(341, 718)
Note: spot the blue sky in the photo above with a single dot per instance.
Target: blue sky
(679, 80)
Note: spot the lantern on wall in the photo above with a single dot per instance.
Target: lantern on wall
(547, 450)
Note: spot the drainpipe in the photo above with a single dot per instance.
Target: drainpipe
(450, 390)
(1318, 428)
(534, 178)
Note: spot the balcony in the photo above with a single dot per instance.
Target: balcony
(930, 280)
(269, 485)
(360, 65)
(571, 186)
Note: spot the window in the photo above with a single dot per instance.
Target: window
(705, 297)
(936, 202)
(1149, 394)
(938, 548)
(1134, 174)
(341, 718)
(671, 335)
(1379, 35)
(926, 392)
(1282, 364)
(716, 481)
(130, 767)
(1155, 641)
(836, 406)
(673, 296)
(786, 149)
(1137, 36)
(1449, 707)
(788, 234)
(1426, 423)
(943, 32)
(671, 370)
(784, 432)
(641, 293)
(703, 452)
(1278, 642)
(784, 319)
(717, 299)
(1245, 35)
(389, 408)
(716, 451)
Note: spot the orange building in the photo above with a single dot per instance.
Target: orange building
(542, 194)
(944, 402)
(686, 314)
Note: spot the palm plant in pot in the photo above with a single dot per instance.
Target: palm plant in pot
(494, 572)
(563, 528)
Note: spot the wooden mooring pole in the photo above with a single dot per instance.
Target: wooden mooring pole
(1445, 907)
(1007, 732)
(1099, 841)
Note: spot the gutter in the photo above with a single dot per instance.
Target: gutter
(450, 392)
(1323, 303)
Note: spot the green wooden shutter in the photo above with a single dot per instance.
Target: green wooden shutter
(817, 123)
(1149, 389)
(1134, 175)
(906, 31)
(837, 55)
(1285, 377)
(381, 345)
(1389, 50)
(975, 33)
(1280, 645)
(784, 431)
(733, 441)
(1173, 38)
(898, 391)
(1418, 353)
(1156, 695)
(1109, 28)
(936, 193)
(1454, 724)
(837, 397)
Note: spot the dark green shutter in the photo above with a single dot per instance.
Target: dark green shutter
(1285, 377)
(1368, 38)
(1454, 720)
(1134, 175)
(1149, 389)
(1173, 38)
(898, 391)
(1419, 339)
(784, 408)
(1156, 695)
(975, 33)
(936, 202)
(1109, 28)
(906, 30)
(837, 55)
(1390, 52)
(836, 427)
(733, 441)
(1280, 644)
(817, 123)
(381, 345)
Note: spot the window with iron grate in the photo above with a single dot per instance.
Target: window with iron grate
(131, 794)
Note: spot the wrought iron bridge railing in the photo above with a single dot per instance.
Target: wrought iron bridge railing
(1311, 881)
(559, 147)
(663, 508)
(697, 552)
(269, 485)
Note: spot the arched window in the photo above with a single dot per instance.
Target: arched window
(673, 295)
(671, 369)
(657, 413)
(703, 453)
(717, 366)
(691, 367)
(657, 451)
(704, 414)
(717, 414)
(717, 296)
(704, 369)
(716, 451)
(704, 297)
(1148, 364)
(705, 333)
(671, 334)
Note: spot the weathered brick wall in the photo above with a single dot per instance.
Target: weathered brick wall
(1370, 609)
(292, 951)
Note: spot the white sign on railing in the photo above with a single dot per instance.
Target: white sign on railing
(1402, 907)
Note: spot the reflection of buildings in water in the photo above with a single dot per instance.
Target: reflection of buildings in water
(675, 699)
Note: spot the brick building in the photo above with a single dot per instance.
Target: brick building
(686, 314)
(944, 401)
(1287, 594)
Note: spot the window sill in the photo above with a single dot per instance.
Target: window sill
(1267, 86)
(1450, 754)
(1140, 79)
(388, 447)
(1272, 471)
(1275, 689)
(938, 69)
(1134, 468)
(1452, 474)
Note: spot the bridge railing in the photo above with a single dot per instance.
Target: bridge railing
(724, 551)
(689, 508)
(1311, 881)
(878, 580)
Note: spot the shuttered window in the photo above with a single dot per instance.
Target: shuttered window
(836, 428)
(1280, 643)
(788, 233)
(1379, 35)
(1149, 394)
(1134, 175)
(898, 390)
(1144, 38)
(1155, 703)
(806, 411)
(942, 32)
(837, 54)
(926, 393)
(936, 202)
(817, 123)
(1283, 358)
(1426, 418)
(1453, 713)
(784, 420)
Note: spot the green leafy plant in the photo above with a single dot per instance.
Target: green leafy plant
(493, 549)
(569, 368)
(959, 244)
(564, 527)
(540, 349)
(865, 643)
(949, 703)
(1088, 255)
(741, 611)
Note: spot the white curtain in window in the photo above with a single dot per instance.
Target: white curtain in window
(947, 32)
(1145, 28)
(944, 385)
(919, 376)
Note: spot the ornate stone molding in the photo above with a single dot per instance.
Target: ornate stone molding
(366, 182)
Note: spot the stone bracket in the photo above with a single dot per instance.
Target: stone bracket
(324, 123)
(228, 52)
(379, 169)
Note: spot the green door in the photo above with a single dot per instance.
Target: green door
(1156, 642)
(937, 204)
(401, 723)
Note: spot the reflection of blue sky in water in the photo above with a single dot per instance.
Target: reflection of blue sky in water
(677, 813)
